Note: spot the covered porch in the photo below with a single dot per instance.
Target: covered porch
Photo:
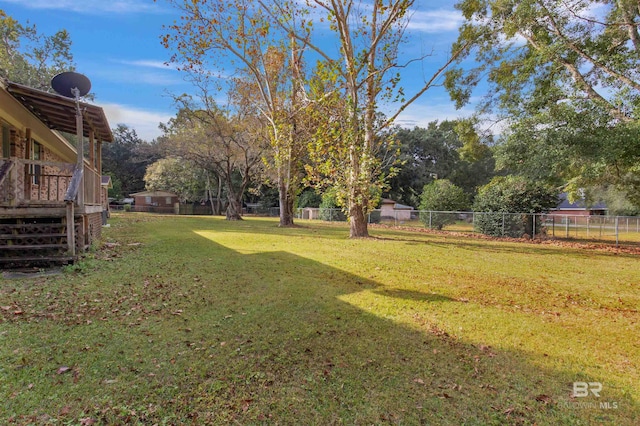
(51, 199)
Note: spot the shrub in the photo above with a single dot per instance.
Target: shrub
(515, 195)
(309, 198)
(329, 209)
(441, 196)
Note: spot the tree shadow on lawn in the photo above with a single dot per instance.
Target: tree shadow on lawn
(298, 351)
(276, 338)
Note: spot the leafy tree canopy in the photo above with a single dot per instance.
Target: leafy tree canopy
(127, 158)
(565, 77)
(30, 58)
(178, 176)
(436, 152)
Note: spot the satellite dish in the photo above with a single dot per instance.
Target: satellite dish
(66, 84)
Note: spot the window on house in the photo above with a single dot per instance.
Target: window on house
(168, 201)
(147, 200)
(36, 154)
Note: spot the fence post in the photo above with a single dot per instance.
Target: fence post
(601, 223)
(503, 213)
(617, 239)
(566, 226)
(429, 219)
(533, 237)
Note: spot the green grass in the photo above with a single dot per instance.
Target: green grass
(196, 320)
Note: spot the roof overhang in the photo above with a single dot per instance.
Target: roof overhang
(106, 181)
(59, 112)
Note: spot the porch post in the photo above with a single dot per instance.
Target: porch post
(92, 149)
(71, 234)
(80, 137)
(26, 171)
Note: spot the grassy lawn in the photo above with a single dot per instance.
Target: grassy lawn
(195, 320)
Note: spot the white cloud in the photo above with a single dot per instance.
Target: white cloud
(93, 7)
(435, 21)
(144, 122)
(136, 77)
(149, 63)
(422, 114)
(151, 78)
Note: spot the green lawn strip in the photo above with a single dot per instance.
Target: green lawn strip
(199, 320)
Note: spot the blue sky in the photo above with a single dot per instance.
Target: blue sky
(116, 43)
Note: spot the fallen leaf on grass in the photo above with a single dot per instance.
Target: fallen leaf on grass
(545, 399)
(87, 421)
(63, 370)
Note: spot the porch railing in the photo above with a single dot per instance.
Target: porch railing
(42, 182)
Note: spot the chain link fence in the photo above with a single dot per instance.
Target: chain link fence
(618, 229)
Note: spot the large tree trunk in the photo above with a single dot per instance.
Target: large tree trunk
(219, 197)
(234, 209)
(357, 222)
(210, 195)
(286, 205)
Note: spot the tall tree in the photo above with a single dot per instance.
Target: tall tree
(181, 177)
(239, 38)
(365, 71)
(566, 77)
(230, 146)
(30, 58)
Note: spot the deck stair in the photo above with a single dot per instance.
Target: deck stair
(33, 242)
